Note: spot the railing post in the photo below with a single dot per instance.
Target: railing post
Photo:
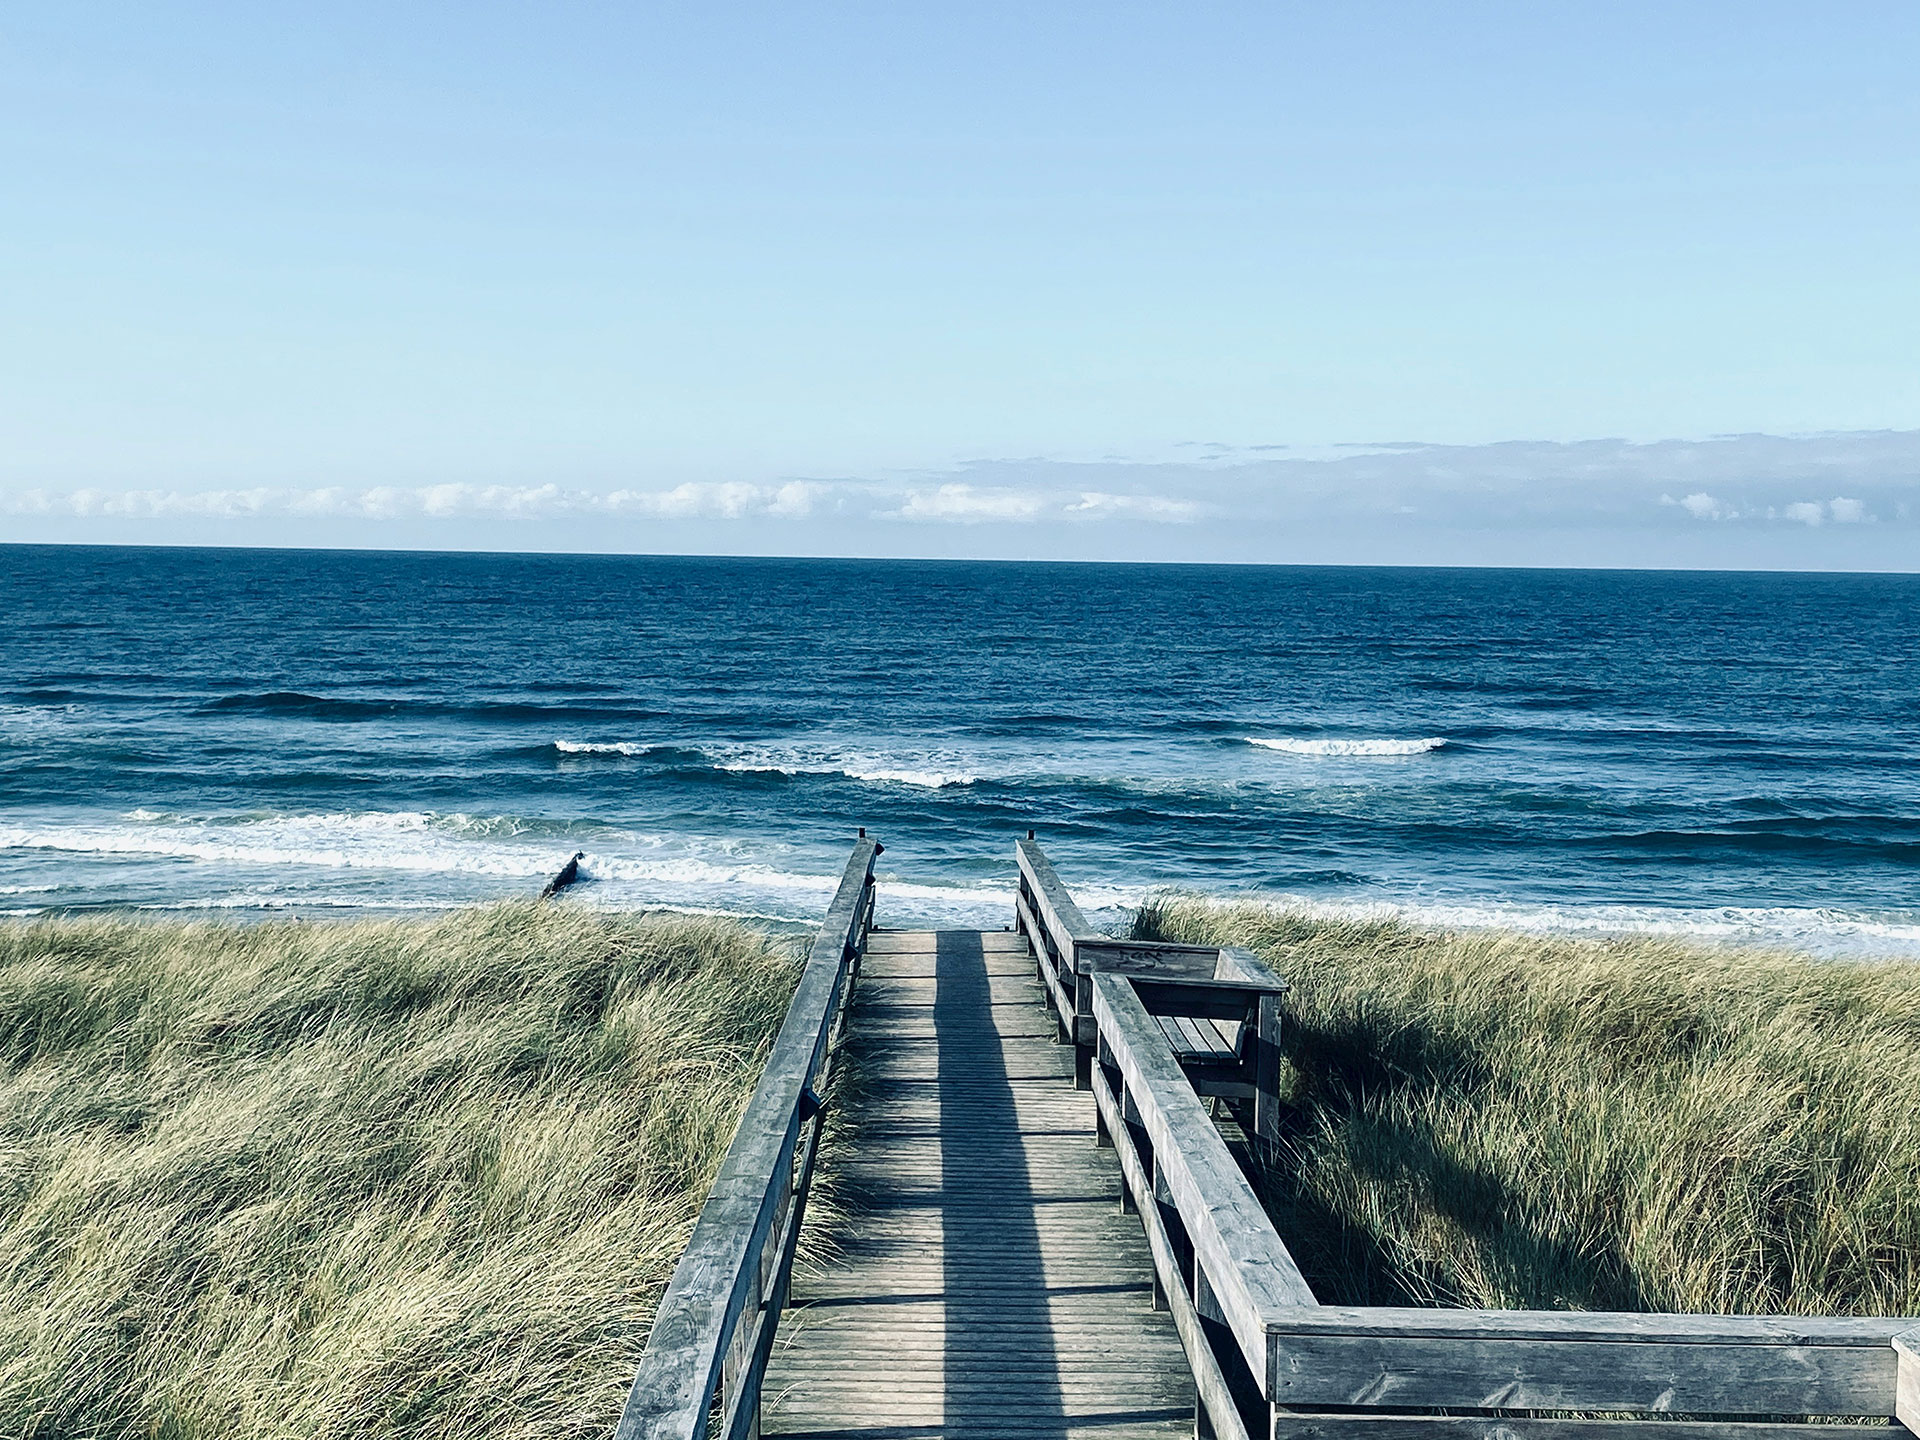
(1266, 1077)
(1082, 1054)
(738, 1381)
(1102, 1137)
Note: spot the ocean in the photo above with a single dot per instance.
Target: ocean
(1725, 756)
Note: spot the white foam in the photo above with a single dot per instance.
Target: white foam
(275, 901)
(1813, 930)
(1347, 748)
(375, 840)
(932, 773)
(879, 772)
(926, 779)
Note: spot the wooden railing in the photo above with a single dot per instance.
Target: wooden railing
(700, 1374)
(1220, 1005)
(1269, 1360)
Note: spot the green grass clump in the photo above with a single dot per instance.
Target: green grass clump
(361, 1179)
(1484, 1118)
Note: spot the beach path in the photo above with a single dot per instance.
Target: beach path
(986, 1282)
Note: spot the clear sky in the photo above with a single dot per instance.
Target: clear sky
(1086, 280)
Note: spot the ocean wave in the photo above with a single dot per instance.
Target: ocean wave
(610, 747)
(867, 771)
(451, 844)
(1811, 930)
(1345, 748)
(299, 704)
(925, 779)
(275, 901)
(880, 770)
(374, 840)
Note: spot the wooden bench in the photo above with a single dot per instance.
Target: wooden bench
(1217, 1005)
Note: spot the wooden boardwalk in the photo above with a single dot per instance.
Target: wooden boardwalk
(987, 1283)
(991, 1285)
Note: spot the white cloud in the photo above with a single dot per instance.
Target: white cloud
(1841, 510)
(1847, 512)
(1702, 506)
(964, 503)
(1098, 505)
(725, 501)
(1256, 500)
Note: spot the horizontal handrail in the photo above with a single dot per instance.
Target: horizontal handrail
(1053, 907)
(717, 1318)
(1245, 1261)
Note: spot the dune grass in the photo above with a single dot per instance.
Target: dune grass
(414, 1179)
(1494, 1119)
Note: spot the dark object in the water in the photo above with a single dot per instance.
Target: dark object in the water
(569, 873)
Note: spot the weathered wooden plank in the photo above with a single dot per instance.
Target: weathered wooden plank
(1290, 1425)
(1906, 1409)
(1697, 1377)
(1670, 1329)
(680, 1368)
(1243, 967)
(1250, 1269)
(986, 1287)
(1147, 957)
(1201, 999)
(926, 942)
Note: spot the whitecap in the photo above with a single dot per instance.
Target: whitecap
(1811, 930)
(926, 779)
(1346, 748)
(874, 772)
(607, 747)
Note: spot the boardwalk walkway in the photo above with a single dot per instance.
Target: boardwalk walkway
(991, 1286)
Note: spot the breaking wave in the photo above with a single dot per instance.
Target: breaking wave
(1343, 748)
(754, 760)
(924, 779)
(613, 747)
(1810, 930)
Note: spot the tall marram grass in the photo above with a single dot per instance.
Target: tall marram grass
(364, 1179)
(1491, 1119)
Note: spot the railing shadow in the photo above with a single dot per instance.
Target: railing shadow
(999, 1347)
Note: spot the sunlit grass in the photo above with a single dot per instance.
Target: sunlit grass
(359, 1179)
(1490, 1119)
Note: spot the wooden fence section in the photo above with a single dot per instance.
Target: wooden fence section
(1269, 1360)
(1218, 1006)
(701, 1372)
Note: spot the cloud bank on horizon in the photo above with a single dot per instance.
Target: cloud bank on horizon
(1844, 500)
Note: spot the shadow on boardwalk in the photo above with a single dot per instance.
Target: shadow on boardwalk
(984, 1282)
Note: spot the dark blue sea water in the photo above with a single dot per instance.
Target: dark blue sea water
(1734, 756)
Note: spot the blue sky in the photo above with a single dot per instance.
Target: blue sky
(1465, 284)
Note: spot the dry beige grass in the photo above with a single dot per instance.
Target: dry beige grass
(366, 1179)
(1492, 1119)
